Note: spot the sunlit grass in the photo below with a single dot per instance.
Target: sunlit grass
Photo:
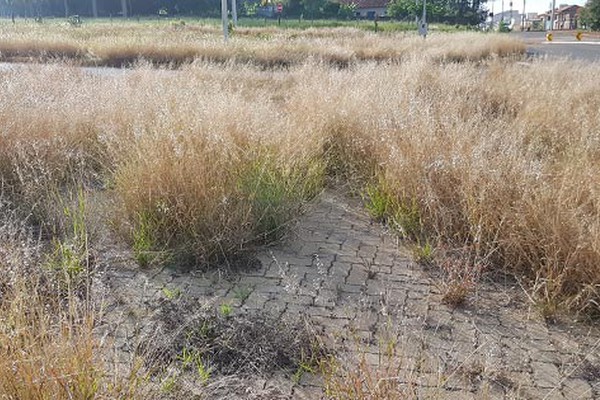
(451, 144)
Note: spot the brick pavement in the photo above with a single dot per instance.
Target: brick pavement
(355, 281)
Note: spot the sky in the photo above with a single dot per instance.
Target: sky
(536, 6)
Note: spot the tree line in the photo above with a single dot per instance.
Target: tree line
(464, 12)
(461, 12)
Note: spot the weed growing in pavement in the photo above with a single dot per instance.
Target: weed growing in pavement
(235, 343)
(226, 309)
(171, 294)
(378, 202)
(54, 352)
(424, 254)
(461, 273)
(242, 293)
(70, 259)
(365, 378)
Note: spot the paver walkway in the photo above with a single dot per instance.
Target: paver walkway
(353, 279)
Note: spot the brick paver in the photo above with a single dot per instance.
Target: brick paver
(350, 277)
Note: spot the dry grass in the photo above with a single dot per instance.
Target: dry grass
(472, 154)
(48, 349)
(103, 44)
(202, 162)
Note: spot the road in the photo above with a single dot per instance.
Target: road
(563, 45)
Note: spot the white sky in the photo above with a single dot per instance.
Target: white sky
(537, 6)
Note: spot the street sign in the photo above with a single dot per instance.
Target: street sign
(279, 8)
(578, 36)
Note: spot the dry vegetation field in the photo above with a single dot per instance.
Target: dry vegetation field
(484, 162)
(124, 43)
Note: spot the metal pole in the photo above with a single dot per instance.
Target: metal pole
(423, 26)
(224, 18)
(552, 15)
(523, 27)
(234, 12)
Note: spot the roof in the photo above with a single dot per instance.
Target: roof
(561, 10)
(567, 8)
(367, 3)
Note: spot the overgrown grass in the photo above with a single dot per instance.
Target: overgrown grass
(454, 147)
(164, 43)
(48, 348)
(208, 160)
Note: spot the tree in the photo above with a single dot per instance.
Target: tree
(313, 7)
(404, 9)
(463, 12)
(590, 15)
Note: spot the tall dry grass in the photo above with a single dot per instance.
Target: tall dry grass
(124, 44)
(203, 161)
(48, 349)
(491, 159)
(500, 161)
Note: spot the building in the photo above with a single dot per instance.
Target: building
(512, 18)
(369, 9)
(566, 17)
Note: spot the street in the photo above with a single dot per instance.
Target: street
(563, 45)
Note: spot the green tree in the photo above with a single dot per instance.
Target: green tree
(314, 8)
(590, 15)
(404, 9)
(347, 11)
(462, 12)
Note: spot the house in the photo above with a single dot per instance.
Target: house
(512, 18)
(566, 17)
(369, 9)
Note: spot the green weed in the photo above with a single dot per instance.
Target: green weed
(193, 358)
(378, 201)
(169, 384)
(204, 371)
(69, 258)
(171, 294)
(242, 292)
(143, 239)
(226, 309)
(406, 218)
(424, 254)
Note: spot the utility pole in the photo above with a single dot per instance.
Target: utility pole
(224, 18)
(552, 15)
(423, 24)
(234, 12)
(524, 17)
(124, 8)
(95, 8)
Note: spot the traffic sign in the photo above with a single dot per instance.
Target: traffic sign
(279, 8)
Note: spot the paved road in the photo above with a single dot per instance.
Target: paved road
(563, 45)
